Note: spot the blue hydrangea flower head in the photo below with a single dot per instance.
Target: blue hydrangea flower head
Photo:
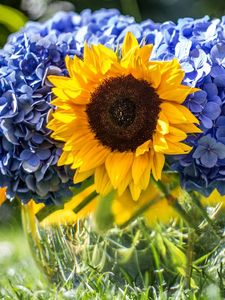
(199, 45)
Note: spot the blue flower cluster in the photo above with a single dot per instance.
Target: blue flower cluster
(199, 45)
(28, 156)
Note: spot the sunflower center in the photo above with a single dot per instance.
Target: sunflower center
(123, 112)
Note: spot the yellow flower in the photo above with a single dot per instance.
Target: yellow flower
(152, 204)
(2, 195)
(213, 199)
(67, 214)
(118, 114)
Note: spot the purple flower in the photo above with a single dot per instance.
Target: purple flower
(209, 151)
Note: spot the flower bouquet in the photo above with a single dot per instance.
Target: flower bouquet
(112, 136)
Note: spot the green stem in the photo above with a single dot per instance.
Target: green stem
(131, 7)
(48, 210)
(158, 267)
(190, 254)
(86, 201)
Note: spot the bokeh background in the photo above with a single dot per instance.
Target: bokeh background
(14, 13)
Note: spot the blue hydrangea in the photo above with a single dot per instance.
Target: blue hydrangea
(199, 45)
(28, 156)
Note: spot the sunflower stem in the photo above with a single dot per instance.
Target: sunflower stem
(48, 210)
(86, 201)
(189, 256)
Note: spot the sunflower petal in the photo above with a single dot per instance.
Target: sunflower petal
(129, 42)
(118, 164)
(158, 161)
(102, 182)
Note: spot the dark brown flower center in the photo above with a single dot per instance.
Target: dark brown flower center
(123, 112)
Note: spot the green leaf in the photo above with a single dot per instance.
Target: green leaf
(103, 216)
(11, 18)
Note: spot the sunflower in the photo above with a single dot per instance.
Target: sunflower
(118, 115)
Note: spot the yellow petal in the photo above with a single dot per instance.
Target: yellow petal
(173, 114)
(58, 92)
(118, 164)
(102, 182)
(60, 217)
(162, 124)
(81, 176)
(176, 135)
(172, 74)
(189, 128)
(153, 75)
(158, 161)
(139, 166)
(77, 199)
(64, 118)
(2, 195)
(213, 199)
(175, 94)
(124, 184)
(145, 53)
(143, 148)
(135, 191)
(64, 82)
(79, 156)
(94, 158)
(66, 158)
(188, 114)
(159, 142)
(177, 148)
(129, 42)
(69, 65)
(145, 178)
(123, 208)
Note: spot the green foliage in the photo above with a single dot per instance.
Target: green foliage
(21, 280)
(11, 20)
(103, 216)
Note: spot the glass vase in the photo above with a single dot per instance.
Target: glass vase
(171, 254)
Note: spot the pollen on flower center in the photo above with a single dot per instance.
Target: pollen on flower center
(123, 112)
